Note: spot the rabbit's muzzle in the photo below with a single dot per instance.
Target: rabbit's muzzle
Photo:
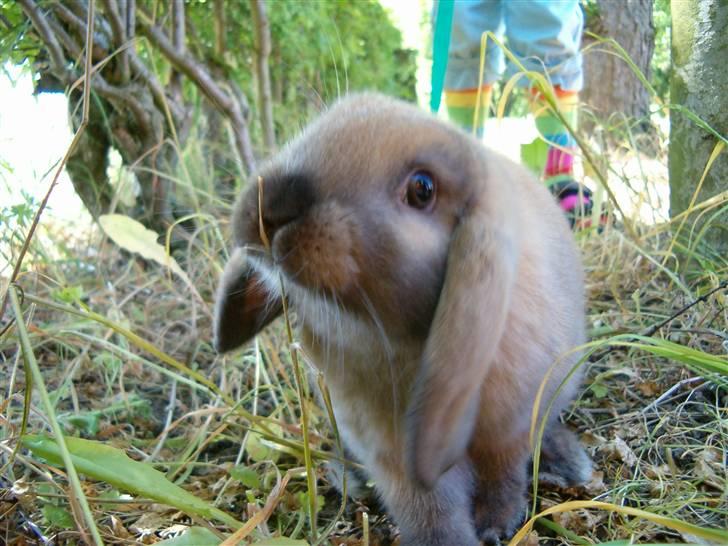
(318, 250)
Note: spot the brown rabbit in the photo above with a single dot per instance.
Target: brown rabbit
(434, 283)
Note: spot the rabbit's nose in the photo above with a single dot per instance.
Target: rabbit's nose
(285, 199)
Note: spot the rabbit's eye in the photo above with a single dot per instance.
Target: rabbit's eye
(420, 190)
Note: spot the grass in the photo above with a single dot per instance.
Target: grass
(114, 348)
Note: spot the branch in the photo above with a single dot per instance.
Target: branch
(178, 41)
(199, 75)
(49, 39)
(118, 30)
(118, 37)
(70, 18)
(160, 98)
(102, 39)
(120, 95)
(263, 46)
(130, 19)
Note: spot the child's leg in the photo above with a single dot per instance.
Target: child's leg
(562, 146)
(462, 108)
(470, 20)
(545, 36)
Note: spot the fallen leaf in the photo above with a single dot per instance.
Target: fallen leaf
(134, 237)
(618, 449)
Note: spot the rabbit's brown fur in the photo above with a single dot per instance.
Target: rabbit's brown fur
(434, 327)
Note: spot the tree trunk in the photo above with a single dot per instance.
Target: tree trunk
(610, 85)
(87, 165)
(699, 84)
(263, 49)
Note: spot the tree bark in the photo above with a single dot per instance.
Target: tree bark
(610, 85)
(699, 84)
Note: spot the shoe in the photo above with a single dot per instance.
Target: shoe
(575, 200)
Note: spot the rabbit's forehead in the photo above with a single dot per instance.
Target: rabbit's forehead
(366, 151)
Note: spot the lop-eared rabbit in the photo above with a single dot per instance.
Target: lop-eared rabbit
(434, 283)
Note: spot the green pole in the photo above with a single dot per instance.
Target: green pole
(440, 47)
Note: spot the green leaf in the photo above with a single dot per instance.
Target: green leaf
(259, 449)
(86, 423)
(57, 516)
(113, 466)
(247, 476)
(599, 390)
(705, 362)
(534, 155)
(194, 536)
(68, 294)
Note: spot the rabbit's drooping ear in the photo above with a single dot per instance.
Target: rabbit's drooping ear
(465, 333)
(244, 305)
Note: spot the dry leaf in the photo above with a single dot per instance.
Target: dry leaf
(618, 449)
(595, 486)
(134, 237)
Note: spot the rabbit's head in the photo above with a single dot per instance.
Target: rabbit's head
(383, 214)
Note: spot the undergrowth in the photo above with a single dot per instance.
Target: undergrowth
(107, 346)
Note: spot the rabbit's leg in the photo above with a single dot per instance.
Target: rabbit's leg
(563, 461)
(356, 477)
(500, 496)
(440, 517)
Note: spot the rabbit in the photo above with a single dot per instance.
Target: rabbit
(434, 283)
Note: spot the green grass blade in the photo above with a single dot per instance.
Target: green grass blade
(63, 456)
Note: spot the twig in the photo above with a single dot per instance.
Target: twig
(649, 332)
(41, 25)
(652, 329)
(669, 391)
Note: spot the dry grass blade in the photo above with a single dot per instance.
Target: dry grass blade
(302, 398)
(718, 535)
(262, 515)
